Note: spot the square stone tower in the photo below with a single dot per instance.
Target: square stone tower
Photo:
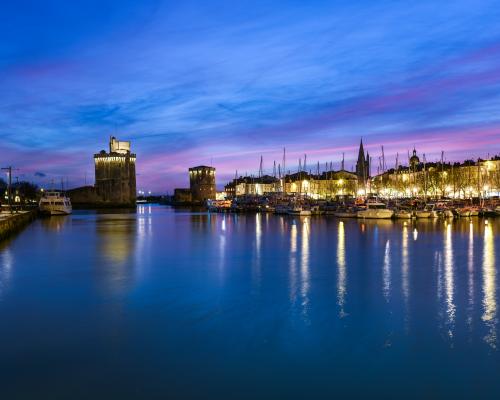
(115, 174)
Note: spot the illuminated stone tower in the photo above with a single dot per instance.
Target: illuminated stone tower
(202, 183)
(115, 174)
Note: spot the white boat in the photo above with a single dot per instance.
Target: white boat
(375, 210)
(55, 203)
(433, 210)
(447, 213)
(403, 214)
(298, 210)
(423, 213)
(463, 212)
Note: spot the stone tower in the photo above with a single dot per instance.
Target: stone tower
(202, 183)
(115, 174)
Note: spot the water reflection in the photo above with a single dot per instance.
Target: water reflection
(470, 274)
(116, 236)
(404, 267)
(257, 250)
(341, 269)
(293, 262)
(6, 261)
(304, 267)
(55, 223)
(386, 277)
(489, 287)
(449, 280)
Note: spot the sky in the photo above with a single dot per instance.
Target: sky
(222, 82)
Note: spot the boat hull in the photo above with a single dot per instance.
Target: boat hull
(303, 213)
(345, 214)
(402, 215)
(375, 214)
(56, 211)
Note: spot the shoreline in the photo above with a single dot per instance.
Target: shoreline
(13, 223)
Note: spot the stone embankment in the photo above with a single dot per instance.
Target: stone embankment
(11, 223)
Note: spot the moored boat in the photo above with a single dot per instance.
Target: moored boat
(402, 214)
(474, 212)
(299, 211)
(423, 213)
(345, 212)
(463, 212)
(447, 213)
(55, 203)
(375, 210)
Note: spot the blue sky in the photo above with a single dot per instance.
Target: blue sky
(222, 82)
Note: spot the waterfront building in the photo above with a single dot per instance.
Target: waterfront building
(418, 179)
(202, 183)
(328, 185)
(252, 186)
(469, 179)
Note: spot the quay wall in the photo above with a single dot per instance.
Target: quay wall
(14, 223)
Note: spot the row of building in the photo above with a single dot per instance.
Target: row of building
(419, 178)
(115, 181)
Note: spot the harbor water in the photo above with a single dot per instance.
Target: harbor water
(162, 303)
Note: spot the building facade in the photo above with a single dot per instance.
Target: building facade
(328, 185)
(470, 179)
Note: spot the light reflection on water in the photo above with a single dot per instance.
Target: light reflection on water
(341, 266)
(489, 287)
(405, 271)
(470, 272)
(304, 267)
(387, 270)
(161, 288)
(449, 280)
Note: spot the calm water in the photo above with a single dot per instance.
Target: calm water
(176, 305)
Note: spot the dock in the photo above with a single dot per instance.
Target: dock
(11, 223)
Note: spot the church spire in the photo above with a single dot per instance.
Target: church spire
(361, 153)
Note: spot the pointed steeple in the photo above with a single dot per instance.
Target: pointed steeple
(361, 153)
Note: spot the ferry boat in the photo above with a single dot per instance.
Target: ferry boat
(375, 210)
(55, 203)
